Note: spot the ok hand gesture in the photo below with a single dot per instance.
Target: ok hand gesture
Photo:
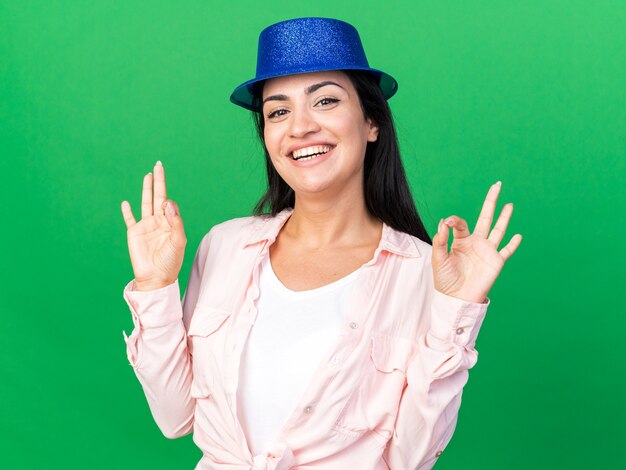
(157, 242)
(471, 267)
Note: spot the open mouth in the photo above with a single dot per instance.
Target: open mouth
(309, 153)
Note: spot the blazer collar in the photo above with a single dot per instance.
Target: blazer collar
(266, 228)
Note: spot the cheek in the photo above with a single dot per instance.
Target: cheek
(352, 125)
(272, 142)
(356, 137)
(273, 149)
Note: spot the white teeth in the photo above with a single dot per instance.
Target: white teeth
(310, 152)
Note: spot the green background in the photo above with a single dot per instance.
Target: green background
(528, 92)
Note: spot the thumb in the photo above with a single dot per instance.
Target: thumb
(440, 244)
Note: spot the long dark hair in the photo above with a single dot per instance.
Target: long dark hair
(386, 190)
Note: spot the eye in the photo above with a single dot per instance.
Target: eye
(277, 113)
(326, 101)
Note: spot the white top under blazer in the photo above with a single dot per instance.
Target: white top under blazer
(291, 334)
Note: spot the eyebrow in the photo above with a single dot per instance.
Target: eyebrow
(307, 91)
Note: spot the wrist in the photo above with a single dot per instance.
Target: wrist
(466, 297)
(143, 286)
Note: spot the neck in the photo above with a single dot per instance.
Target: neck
(317, 224)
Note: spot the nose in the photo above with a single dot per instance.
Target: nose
(302, 123)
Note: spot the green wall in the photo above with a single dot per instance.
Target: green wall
(528, 92)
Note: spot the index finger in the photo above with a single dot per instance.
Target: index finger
(483, 224)
(160, 192)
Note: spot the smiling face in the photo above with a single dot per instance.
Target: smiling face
(316, 133)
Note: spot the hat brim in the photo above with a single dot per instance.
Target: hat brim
(244, 94)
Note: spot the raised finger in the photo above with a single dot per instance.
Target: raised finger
(127, 213)
(160, 193)
(146, 196)
(458, 226)
(483, 224)
(440, 244)
(510, 247)
(497, 234)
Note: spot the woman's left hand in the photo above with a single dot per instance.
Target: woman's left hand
(473, 264)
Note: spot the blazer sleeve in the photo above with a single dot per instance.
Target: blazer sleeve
(157, 348)
(436, 375)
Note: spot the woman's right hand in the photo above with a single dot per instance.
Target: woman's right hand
(157, 242)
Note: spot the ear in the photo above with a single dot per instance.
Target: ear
(372, 133)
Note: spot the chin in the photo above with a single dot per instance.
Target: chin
(322, 185)
(310, 183)
(310, 189)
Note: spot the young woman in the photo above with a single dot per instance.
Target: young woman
(326, 333)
